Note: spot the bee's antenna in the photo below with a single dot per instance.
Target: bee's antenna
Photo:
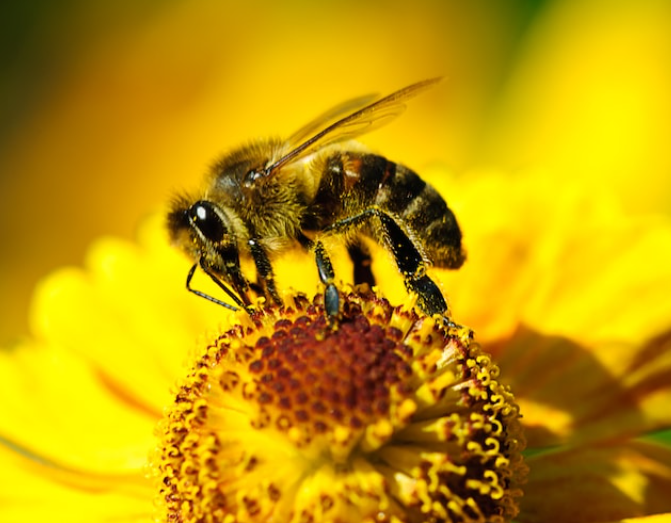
(221, 285)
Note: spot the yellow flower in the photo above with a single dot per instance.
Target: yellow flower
(391, 417)
(566, 293)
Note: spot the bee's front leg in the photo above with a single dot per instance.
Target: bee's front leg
(264, 270)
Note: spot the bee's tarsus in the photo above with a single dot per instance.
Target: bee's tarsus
(430, 299)
(447, 322)
(331, 302)
(326, 275)
(324, 265)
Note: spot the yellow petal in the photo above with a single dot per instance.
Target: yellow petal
(34, 492)
(558, 260)
(56, 405)
(659, 518)
(128, 314)
(572, 393)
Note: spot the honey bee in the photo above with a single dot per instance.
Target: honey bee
(272, 195)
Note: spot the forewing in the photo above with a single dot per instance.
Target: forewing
(361, 121)
(328, 118)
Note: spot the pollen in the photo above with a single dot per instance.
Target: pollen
(391, 417)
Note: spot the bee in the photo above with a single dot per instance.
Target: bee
(273, 195)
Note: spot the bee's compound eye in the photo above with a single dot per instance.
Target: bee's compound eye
(207, 221)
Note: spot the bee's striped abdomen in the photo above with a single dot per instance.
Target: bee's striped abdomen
(424, 212)
(353, 182)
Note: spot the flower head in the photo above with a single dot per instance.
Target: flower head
(390, 417)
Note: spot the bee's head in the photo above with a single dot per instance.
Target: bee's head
(202, 230)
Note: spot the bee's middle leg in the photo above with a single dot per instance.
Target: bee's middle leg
(327, 276)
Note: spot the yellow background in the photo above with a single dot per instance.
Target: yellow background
(109, 107)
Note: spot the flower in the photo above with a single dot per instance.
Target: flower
(389, 417)
(585, 350)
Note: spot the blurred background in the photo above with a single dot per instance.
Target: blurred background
(107, 108)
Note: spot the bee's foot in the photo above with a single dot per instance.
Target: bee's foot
(331, 302)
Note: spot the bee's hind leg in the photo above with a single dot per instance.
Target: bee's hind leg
(408, 259)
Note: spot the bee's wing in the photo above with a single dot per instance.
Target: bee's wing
(370, 117)
(329, 117)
